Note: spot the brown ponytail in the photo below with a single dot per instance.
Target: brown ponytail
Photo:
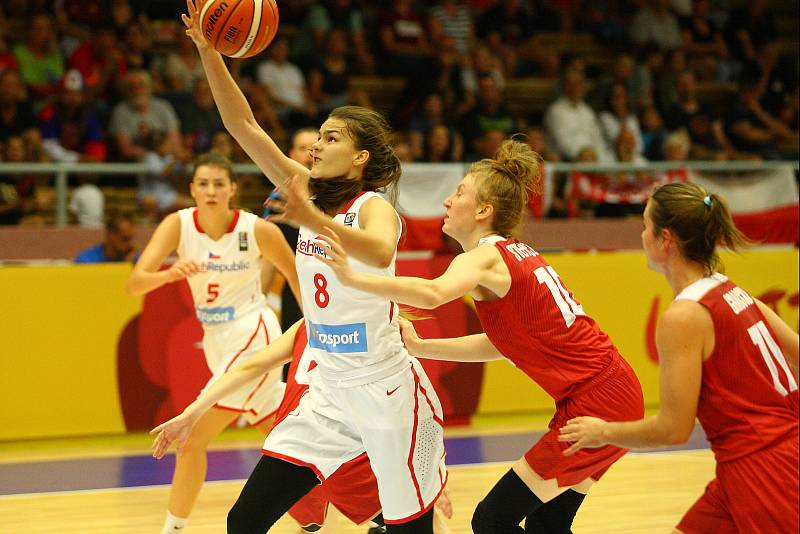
(700, 221)
(504, 182)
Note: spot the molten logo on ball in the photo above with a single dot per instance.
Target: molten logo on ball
(213, 18)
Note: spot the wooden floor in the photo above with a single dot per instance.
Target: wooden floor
(642, 493)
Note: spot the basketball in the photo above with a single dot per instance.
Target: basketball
(239, 28)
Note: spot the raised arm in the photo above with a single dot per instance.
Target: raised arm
(276, 250)
(235, 111)
(146, 275)
(684, 336)
(178, 428)
(466, 272)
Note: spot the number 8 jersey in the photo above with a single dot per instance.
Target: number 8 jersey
(354, 336)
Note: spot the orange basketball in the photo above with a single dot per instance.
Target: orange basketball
(239, 28)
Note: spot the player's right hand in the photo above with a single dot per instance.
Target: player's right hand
(182, 269)
(410, 338)
(192, 23)
(175, 430)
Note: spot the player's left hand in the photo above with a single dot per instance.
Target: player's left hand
(293, 206)
(335, 257)
(583, 432)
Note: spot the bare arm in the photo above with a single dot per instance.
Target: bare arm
(474, 348)
(374, 243)
(464, 274)
(235, 111)
(684, 335)
(146, 275)
(276, 251)
(178, 428)
(786, 337)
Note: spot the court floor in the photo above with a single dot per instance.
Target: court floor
(112, 485)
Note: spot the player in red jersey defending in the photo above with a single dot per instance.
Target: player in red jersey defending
(723, 360)
(530, 318)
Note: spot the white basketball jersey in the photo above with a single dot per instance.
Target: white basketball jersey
(229, 283)
(354, 336)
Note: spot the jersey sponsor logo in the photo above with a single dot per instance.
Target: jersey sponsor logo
(738, 299)
(243, 245)
(212, 256)
(521, 251)
(220, 267)
(339, 338)
(311, 247)
(349, 217)
(216, 315)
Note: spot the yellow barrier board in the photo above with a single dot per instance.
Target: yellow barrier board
(60, 328)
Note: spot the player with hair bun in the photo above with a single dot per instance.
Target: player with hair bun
(723, 360)
(530, 318)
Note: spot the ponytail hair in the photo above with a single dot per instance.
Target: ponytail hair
(505, 181)
(700, 221)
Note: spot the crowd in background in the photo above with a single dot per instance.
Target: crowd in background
(117, 80)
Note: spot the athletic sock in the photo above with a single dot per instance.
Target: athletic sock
(173, 524)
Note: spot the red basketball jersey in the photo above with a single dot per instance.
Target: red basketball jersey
(540, 327)
(748, 396)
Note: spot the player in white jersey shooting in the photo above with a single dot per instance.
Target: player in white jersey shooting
(220, 252)
(367, 394)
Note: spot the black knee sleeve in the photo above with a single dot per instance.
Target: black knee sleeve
(421, 525)
(501, 511)
(272, 488)
(556, 516)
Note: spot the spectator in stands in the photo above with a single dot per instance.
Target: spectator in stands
(102, 63)
(323, 17)
(22, 202)
(651, 61)
(750, 128)
(749, 28)
(432, 113)
(139, 50)
(71, 129)
(538, 142)
(621, 127)
(87, 202)
(157, 191)
(482, 61)
(655, 23)
(604, 24)
(199, 118)
(621, 73)
(677, 146)
(329, 77)
(705, 129)
(182, 68)
(403, 39)
(141, 114)
(653, 134)
(222, 143)
(41, 64)
(453, 19)
(16, 116)
(286, 87)
(117, 245)
(704, 44)
(442, 74)
(572, 125)
(442, 144)
(486, 145)
(490, 113)
(511, 29)
(402, 148)
(666, 96)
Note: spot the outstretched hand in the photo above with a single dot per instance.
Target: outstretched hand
(175, 430)
(293, 206)
(583, 432)
(192, 23)
(334, 256)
